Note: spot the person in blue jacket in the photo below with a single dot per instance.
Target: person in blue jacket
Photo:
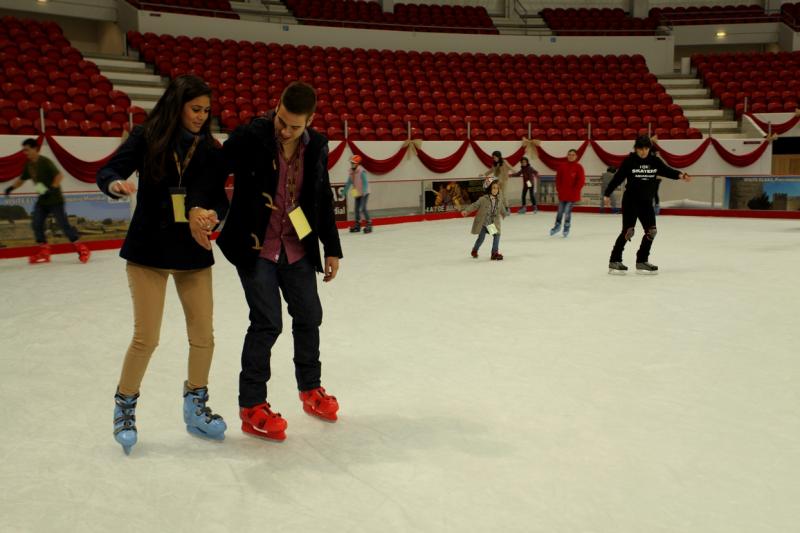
(358, 186)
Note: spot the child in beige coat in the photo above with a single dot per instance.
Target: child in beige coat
(492, 208)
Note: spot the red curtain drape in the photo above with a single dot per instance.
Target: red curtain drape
(682, 161)
(486, 157)
(776, 128)
(739, 160)
(553, 162)
(446, 164)
(84, 171)
(335, 154)
(378, 166)
(608, 158)
(11, 166)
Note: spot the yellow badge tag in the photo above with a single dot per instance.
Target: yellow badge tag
(300, 223)
(492, 229)
(179, 207)
(354, 193)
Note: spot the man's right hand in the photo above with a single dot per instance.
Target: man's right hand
(123, 188)
(606, 201)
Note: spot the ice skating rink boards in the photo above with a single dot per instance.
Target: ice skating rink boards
(538, 394)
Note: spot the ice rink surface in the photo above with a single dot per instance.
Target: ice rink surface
(537, 394)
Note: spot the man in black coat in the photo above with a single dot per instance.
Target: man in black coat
(641, 170)
(282, 207)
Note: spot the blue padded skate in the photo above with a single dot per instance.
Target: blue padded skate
(566, 232)
(555, 229)
(125, 421)
(199, 419)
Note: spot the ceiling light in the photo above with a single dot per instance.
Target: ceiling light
(721, 34)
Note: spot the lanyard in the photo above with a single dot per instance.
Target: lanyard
(181, 166)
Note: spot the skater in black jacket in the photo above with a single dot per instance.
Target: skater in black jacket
(641, 168)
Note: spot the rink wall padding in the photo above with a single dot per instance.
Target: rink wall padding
(65, 248)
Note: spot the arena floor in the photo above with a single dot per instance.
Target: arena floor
(536, 394)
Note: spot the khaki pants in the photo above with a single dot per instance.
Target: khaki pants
(148, 289)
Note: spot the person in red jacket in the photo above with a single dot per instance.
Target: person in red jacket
(570, 179)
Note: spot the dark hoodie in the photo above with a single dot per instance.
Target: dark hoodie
(641, 175)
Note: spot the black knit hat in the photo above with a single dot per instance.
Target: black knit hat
(643, 141)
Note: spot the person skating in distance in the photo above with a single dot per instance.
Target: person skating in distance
(641, 170)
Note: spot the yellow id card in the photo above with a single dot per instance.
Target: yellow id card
(179, 206)
(354, 193)
(300, 223)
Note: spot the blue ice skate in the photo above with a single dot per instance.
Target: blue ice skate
(125, 421)
(555, 229)
(199, 419)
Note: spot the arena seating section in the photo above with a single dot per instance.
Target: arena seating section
(42, 70)
(676, 16)
(204, 8)
(769, 81)
(408, 17)
(379, 92)
(790, 15)
(596, 21)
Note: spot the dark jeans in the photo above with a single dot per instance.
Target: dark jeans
(525, 191)
(482, 236)
(263, 285)
(361, 207)
(40, 216)
(633, 209)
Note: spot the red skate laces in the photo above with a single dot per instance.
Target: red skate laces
(317, 402)
(260, 421)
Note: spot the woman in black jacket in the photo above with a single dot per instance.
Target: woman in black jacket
(180, 199)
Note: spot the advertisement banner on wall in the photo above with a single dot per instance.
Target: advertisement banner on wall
(94, 215)
(765, 193)
(339, 202)
(451, 195)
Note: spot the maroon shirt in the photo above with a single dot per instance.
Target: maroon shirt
(280, 231)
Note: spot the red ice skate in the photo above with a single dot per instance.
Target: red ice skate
(42, 256)
(317, 402)
(497, 256)
(474, 253)
(260, 421)
(83, 252)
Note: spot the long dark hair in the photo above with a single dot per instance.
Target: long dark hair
(499, 156)
(163, 126)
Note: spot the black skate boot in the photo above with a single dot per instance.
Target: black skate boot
(646, 268)
(368, 228)
(356, 228)
(616, 267)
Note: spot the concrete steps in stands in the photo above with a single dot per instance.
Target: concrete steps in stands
(132, 76)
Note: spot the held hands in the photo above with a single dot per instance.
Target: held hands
(606, 201)
(201, 224)
(464, 213)
(123, 188)
(331, 268)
